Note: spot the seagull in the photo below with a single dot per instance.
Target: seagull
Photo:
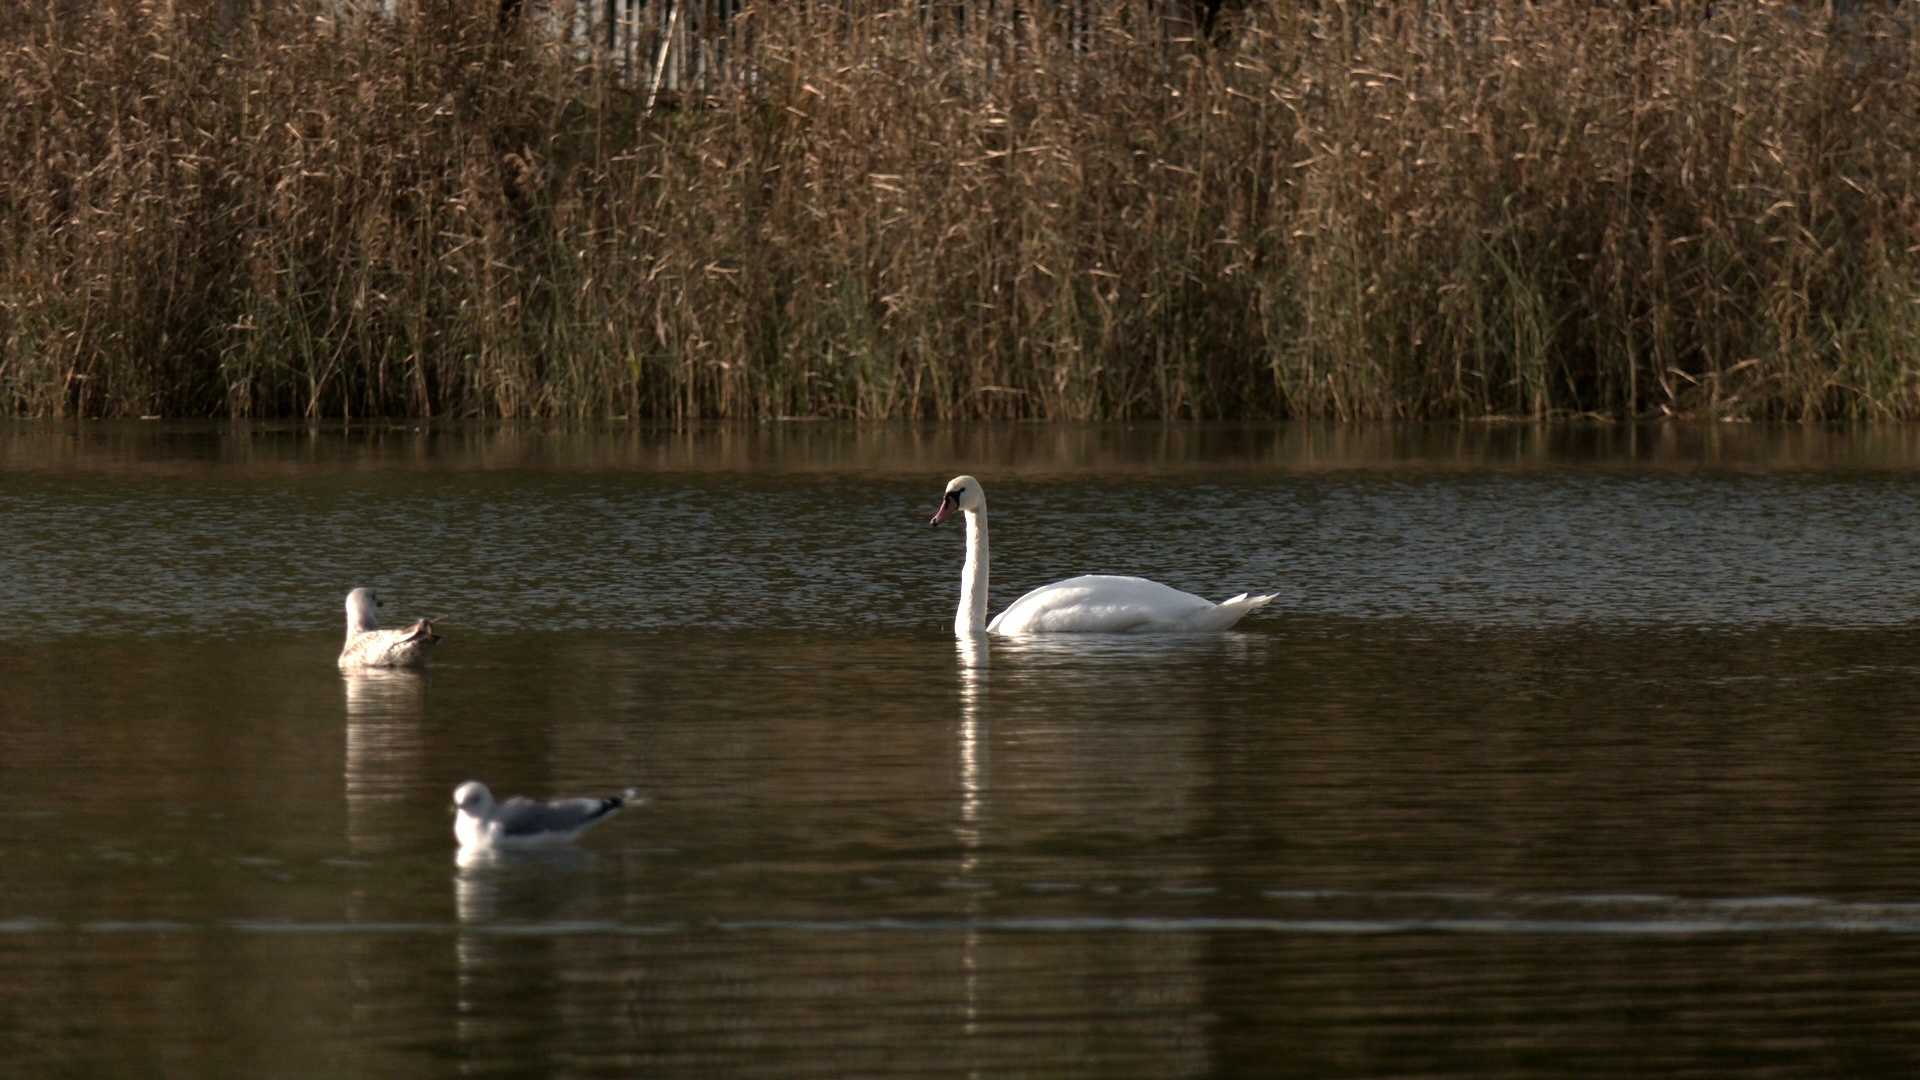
(520, 822)
(369, 646)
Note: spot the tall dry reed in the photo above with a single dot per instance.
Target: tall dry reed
(909, 210)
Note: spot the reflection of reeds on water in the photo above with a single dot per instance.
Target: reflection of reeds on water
(384, 747)
(1109, 451)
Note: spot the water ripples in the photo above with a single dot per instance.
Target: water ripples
(504, 554)
(1326, 913)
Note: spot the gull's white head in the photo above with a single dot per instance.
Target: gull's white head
(363, 607)
(473, 798)
(963, 496)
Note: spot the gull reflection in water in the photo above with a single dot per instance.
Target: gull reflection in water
(547, 885)
(515, 912)
(385, 707)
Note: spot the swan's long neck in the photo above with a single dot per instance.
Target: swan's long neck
(971, 619)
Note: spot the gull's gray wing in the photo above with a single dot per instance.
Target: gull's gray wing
(522, 817)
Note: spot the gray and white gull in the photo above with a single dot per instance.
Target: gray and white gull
(484, 825)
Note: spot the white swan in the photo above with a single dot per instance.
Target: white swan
(369, 646)
(483, 825)
(1091, 604)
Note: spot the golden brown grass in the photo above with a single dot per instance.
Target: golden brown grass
(1327, 210)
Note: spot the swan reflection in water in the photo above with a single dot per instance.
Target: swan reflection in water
(1073, 742)
(1122, 667)
(972, 653)
(385, 708)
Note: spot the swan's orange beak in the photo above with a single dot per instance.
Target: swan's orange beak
(947, 506)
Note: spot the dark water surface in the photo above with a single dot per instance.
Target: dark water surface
(1564, 751)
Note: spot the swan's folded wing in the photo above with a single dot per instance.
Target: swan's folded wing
(1100, 604)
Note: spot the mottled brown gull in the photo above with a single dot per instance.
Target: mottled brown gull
(369, 646)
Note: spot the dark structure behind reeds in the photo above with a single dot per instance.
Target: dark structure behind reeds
(298, 208)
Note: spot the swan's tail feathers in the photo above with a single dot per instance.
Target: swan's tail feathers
(421, 631)
(1229, 611)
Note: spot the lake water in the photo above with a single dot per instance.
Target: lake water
(1563, 751)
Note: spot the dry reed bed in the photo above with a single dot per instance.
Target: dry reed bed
(1438, 210)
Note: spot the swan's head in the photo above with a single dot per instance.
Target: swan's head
(474, 798)
(362, 608)
(963, 496)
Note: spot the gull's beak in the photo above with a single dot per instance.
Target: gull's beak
(947, 506)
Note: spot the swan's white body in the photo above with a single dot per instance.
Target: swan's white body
(484, 825)
(369, 646)
(1090, 604)
(1111, 604)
